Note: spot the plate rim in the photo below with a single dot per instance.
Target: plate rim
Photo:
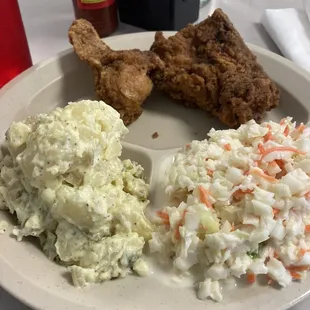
(30, 300)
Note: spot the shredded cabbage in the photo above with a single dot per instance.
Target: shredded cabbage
(245, 208)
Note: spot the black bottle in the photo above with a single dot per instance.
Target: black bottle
(159, 14)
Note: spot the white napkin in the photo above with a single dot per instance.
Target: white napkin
(290, 30)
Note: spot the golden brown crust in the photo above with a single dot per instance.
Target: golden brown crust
(209, 65)
(86, 42)
(121, 77)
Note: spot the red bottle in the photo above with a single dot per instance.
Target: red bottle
(14, 50)
(102, 14)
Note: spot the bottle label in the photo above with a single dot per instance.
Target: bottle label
(94, 4)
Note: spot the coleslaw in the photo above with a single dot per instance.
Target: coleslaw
(243, 207)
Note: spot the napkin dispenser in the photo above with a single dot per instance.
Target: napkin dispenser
(159, 14)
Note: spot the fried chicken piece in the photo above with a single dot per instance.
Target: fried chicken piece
(209, 66)
(121, 77)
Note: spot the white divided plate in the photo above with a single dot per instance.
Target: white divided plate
(27, 274)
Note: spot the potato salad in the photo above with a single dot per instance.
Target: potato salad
(63, 178)
(243, 207)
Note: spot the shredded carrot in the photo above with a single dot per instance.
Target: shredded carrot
(164, 216)
(187, 146)
(248, 191)
(264, 176)
(295, 275)
(282, 149)
(286, 131)
(227, 147)
(268, 136)
(251, 278)
(177, 229)
(307, 228)
(242, 192)
(280, 163)
(301, 127)
(177, 234)
(298, 268)
(301, 253)
(282, 122)
(307, 195)
(204, 197)
(238, 194)
(275, 255)
(275, 212)
(261, 148)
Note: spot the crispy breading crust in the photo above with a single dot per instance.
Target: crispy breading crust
(121, 77)
(209, 66)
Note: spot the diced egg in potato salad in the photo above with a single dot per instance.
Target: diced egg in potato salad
(64, 180)
(243, 206)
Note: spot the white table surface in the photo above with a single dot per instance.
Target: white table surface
(47, 21)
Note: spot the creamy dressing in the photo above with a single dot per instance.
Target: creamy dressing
(65, 182)
(243, 207)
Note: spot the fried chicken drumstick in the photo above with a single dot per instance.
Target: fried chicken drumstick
(121, 77)
(209, 66)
